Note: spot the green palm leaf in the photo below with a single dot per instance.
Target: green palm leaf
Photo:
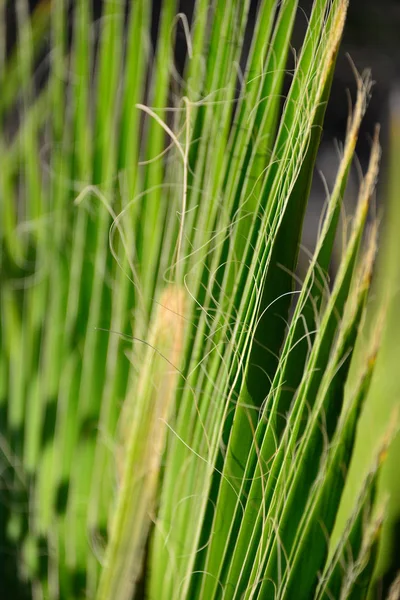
(174, 411)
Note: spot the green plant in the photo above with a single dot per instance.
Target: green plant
(383, 400)
(168, 405)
